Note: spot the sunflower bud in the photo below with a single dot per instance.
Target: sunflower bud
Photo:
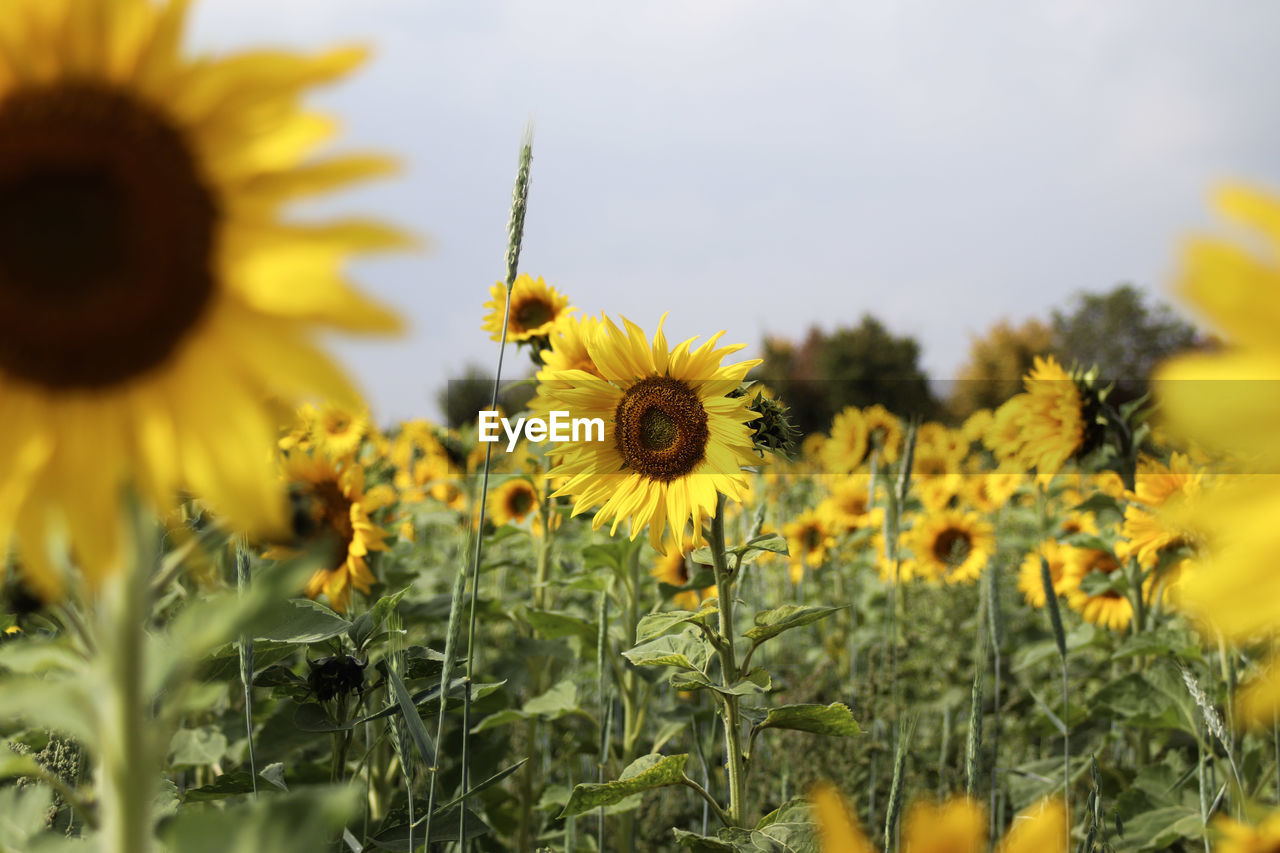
(773, 430)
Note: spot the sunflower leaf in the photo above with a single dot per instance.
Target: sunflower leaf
(657, 624)
(834, 720)
(684, 651)
(643, 774)
(771, 623)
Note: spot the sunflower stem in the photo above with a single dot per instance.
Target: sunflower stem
(128, 768)
(734, 758)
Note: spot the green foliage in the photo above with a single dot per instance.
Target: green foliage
(851, 366)
(1121, 334)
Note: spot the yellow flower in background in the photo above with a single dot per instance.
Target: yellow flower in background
(884, 431)
(152, 294)
(1053, 425)
(1030, 581)
(952, 546)
(838, 832)
(935, 436)
(514, 501)
(811, 447)
(976, 425)
(988, 491)
(568, 350)
(1109, 609)
(956, 826)
(937, 474)
(809, 541)
(1156, 515)
(673, 438)
(1076, 523)
(1037, 829)
(340, 429)
(849, 505)
(1236, 837)
(332, 502)
(846, 444)
(535, 308)
(674, 569)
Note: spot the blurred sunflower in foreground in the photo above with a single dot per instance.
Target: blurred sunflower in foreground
(673, 437)
(956, 826)
(1229, 402)
(152, 296)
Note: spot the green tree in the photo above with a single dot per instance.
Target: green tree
(462, 399)
(997, 362)
(1122, 334)
(851, 366)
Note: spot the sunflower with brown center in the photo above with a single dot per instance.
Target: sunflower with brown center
(849, 505)
(673, 437)
(1109, 608)
(535, 308)
(952, 546)
(514, 501)
(152, 295)
(809, 541)
(1030, 580)
(330, 501)
(884, 432)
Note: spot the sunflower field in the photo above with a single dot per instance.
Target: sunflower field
(242, 614)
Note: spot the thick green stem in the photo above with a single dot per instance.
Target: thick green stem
(730, 713)
(126, 774)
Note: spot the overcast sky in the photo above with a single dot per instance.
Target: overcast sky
(761, 167)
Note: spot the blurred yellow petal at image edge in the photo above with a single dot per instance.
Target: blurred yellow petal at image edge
(152, 295)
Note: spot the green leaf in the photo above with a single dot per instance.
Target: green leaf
(1159, 829)
(409, 710)
(53, 703)
(771, 623)
(561, 699)
(227, 785)
(682, 650)
(643, 774)
(834, 720)
(193, 747)
(301, 620)
(444, 829)
(757, 681)
(553, 624)
(300, 822)
(702, 843)
(23, 812)
(1156, 698)
(771, 542)
(657, 624)
(789, 829)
